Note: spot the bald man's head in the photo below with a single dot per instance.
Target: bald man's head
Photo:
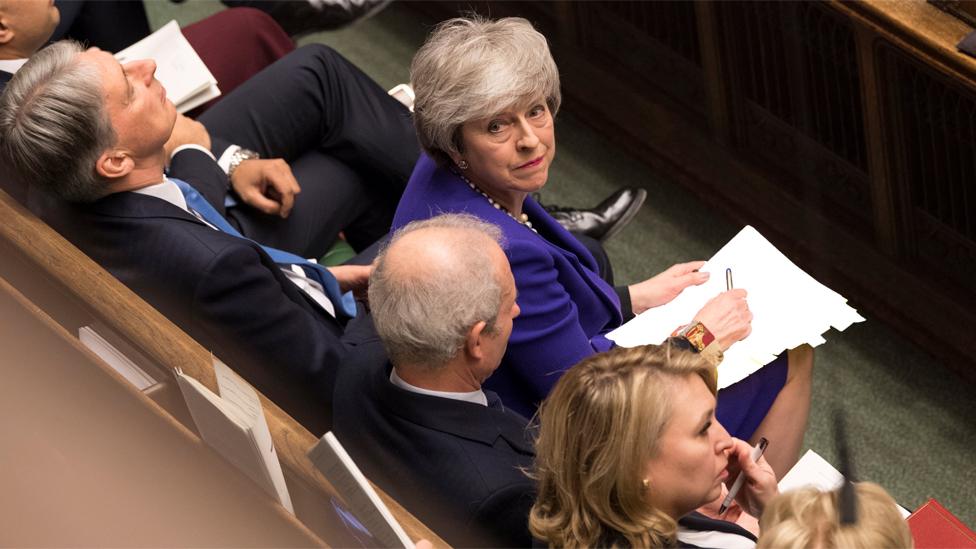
(437, 279)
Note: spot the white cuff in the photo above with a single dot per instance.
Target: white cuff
(224, 160)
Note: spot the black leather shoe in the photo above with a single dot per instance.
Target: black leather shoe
(605, 220)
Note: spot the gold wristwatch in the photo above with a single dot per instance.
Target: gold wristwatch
(701, 341)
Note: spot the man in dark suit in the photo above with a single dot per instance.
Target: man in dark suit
(420, 425)
(351, 179)
(98, 134)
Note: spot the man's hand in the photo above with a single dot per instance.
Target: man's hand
(186, 131)
(266, 185)
(727, 316)
(354, 278)
(760, 481)
(666, 286)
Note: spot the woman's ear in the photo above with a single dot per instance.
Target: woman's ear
(114, 164)
(456, 158)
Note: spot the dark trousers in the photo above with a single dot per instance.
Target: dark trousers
(351, 147)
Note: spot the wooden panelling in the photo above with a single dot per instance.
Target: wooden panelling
(843, 130)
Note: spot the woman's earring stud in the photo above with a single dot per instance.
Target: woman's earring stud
(463, 164)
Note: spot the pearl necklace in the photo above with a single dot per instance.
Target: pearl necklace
(522, 219)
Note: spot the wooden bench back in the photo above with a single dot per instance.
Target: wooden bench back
(96, 463)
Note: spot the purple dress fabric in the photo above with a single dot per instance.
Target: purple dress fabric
(567, 309)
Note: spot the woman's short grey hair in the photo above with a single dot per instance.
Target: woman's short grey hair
(423, 312)
(472, 68)
(54, 125)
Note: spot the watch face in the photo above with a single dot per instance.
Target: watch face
(695, 334)
(698, 335)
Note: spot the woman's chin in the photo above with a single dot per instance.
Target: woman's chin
(534, 182)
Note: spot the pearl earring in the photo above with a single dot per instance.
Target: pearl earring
(645, 484)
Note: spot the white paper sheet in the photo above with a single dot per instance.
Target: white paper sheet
(814, 471)
(789, 306)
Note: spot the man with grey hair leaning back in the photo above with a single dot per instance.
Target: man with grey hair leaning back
(420, 425)
(98, 134)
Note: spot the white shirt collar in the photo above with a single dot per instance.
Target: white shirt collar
(477, 397)
(166, 190)
(11, 65)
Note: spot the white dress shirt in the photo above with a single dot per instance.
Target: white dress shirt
(477, 397)
(11, 65)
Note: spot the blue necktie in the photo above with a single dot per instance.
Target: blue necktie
(345, 304)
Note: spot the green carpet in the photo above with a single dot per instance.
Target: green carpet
(911, 420)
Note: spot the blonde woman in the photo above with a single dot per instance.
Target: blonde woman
(808, 518)
(629, 447)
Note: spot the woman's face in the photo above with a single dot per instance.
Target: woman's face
(510, 152)
(692, 455)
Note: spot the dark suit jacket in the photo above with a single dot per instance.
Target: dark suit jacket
(566, 307)
(4, 78)
(224, 291)
(455, 465)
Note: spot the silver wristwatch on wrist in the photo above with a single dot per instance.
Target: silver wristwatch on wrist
(238, 156)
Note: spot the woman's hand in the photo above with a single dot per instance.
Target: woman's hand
(760, 481)
(666, 286)
(727, 316)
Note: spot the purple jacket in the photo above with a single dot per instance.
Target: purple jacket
(566, 307)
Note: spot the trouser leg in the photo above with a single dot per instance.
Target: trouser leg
(307, 106)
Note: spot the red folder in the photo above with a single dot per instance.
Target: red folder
(933, 526)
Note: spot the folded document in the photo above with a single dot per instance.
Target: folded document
(789, 307)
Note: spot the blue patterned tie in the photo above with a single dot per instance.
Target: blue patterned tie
(345, 304)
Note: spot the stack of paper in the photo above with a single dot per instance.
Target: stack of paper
(234, 425)
(179, 69)
(790, 308)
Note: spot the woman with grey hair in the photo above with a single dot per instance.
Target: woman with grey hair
(486, 94)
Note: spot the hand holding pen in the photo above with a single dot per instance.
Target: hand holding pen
(727, 316)
(756, 482)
